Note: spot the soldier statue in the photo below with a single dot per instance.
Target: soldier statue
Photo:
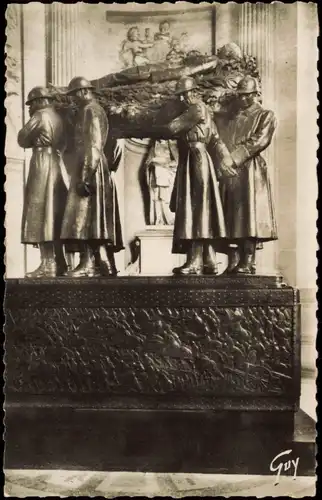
(199, 220)
(45, 193)
(246, 196)
(91, 218)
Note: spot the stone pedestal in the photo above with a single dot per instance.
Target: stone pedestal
(156, 257)
(158, 342)
(89, 351)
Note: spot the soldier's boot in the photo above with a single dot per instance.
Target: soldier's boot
(50, 266)
(253, 260)
(247, 263)
(194, 264)
(233, 259)
(209, 259)
(70, 261)
(107, 265)
(97, 262)
(86, 266)
(39, 272)
(111, 256)
(60, 259)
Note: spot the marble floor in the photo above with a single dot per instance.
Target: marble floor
(44, 483)
(62, 483)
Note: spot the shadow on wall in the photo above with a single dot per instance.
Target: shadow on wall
(135, 194)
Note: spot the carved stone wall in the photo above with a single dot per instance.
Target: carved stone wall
(13, 85)
(104, 29)
(15, 164)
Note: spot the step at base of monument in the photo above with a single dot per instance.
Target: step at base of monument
(205, 442)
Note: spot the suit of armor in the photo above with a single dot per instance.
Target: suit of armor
(161, 165)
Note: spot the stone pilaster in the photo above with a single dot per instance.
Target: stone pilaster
(224, 24)
(256, 37)
(25, 69)
(62, 42)
(34, 74)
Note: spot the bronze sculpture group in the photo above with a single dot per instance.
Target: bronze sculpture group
(221, 197)
(87, 216)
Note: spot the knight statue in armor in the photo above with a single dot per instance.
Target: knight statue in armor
(45, 193)
(91, 219)
(199, 218)
(246, 196)
(161, 165)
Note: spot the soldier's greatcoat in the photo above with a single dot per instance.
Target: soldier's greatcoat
(195, 198)
(45, 193)
(94, 217)
(247, 198)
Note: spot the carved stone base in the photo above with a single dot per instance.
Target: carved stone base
(81, 355)
(157, 343)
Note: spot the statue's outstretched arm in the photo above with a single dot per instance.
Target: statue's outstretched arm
(186, 121)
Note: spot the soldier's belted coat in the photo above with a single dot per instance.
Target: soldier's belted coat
(195, 199)
(45, 193)
(94, 217)
(247, 198)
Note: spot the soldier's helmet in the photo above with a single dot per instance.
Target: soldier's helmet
(38, 93)
(185, 85)
(248, 85)
(78, 83)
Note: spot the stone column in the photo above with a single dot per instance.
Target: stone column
(63, 42)
(256, 37)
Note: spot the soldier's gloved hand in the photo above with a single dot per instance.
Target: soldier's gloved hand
(227, 170)
(84, 189)
(43, 140)
(214, 130)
